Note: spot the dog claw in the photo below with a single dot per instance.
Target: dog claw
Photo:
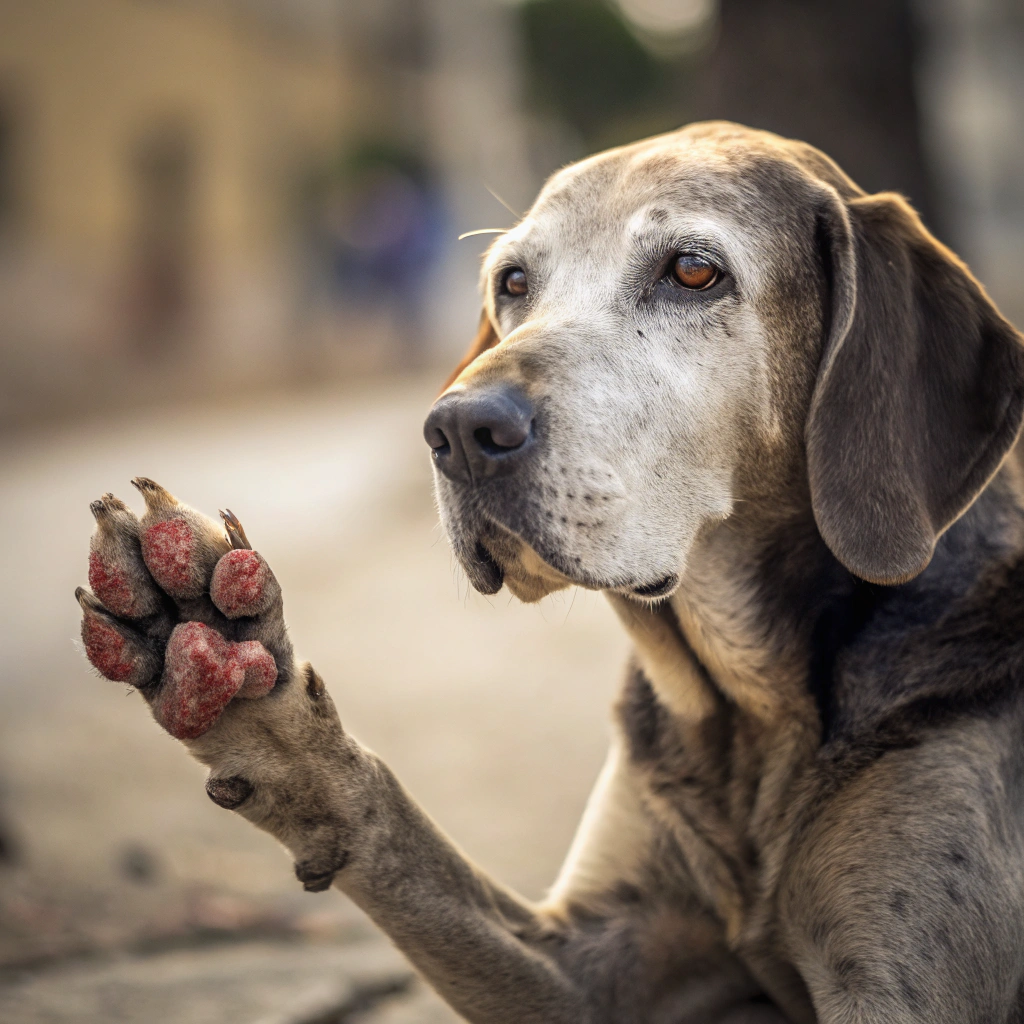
(236, 535)
(111, 512)
(157, 498)
(87, 602)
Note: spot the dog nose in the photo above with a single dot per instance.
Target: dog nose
(475, 434)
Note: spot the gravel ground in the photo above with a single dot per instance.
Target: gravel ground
(127, 895)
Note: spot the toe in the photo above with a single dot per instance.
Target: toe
(180, 546)
(168, 549)
(243, 584)
(115, 650)
(117, 572)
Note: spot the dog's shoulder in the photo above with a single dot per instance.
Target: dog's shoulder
(946, 645)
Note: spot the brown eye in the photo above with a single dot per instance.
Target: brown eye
(694, 272)
(514, 282)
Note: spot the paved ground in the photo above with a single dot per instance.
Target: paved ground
(129, 896)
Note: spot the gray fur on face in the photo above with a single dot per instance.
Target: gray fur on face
(812, 808)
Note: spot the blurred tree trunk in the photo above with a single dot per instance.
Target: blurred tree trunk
(836, 73)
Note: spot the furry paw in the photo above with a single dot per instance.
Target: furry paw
(182, 609)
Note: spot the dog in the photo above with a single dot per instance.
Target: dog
(773, 420)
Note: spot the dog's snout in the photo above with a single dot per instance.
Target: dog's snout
(475, 434)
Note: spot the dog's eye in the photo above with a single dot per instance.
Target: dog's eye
(514, 282)
(694, 272)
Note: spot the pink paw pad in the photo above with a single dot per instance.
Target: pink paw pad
(203, 673)
(167, 549)
(111, 585)
(241, 584)
(107, 650)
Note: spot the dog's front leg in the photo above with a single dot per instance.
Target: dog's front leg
(193, 618)
(286, 765)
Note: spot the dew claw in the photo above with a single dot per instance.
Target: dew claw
(229, 793)
(87, 602)
(235, 534)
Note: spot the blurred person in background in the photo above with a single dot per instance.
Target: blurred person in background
(379, 227)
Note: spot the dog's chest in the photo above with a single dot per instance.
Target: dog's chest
(725, 787)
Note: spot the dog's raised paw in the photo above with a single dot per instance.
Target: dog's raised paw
(180, 609)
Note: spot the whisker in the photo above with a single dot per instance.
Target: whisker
(482, 231)
(575, 591)
(502, 201)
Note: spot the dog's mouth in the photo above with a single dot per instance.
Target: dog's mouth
(656, 591)
(499, 557)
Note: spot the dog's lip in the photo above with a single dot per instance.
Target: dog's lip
(485, 574)
(656, 591)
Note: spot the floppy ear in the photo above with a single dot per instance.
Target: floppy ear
(486, 337)
(919, 394)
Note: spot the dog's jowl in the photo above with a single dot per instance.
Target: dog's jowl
(773, 419)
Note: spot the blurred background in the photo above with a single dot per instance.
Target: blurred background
(229, 260)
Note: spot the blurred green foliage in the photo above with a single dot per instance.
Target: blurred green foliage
(585, 67)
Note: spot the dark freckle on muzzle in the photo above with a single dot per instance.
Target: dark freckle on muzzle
(478, 434)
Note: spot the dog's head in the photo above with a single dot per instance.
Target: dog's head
(712, 317)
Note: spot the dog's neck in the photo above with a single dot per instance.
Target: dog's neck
(766, 609)
(749, 646)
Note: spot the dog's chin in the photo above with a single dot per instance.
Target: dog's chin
(503, 558)
(530, 578)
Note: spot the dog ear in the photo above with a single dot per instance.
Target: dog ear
(919, 394)
(486, 337)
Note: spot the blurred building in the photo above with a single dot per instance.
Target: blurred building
(151, 156)
(202, 195)
(196, 194)
(972, 78)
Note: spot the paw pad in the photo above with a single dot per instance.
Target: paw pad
(112, 586)
(107, 650)
(203, 673)
(242, 584)
(167, 549)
